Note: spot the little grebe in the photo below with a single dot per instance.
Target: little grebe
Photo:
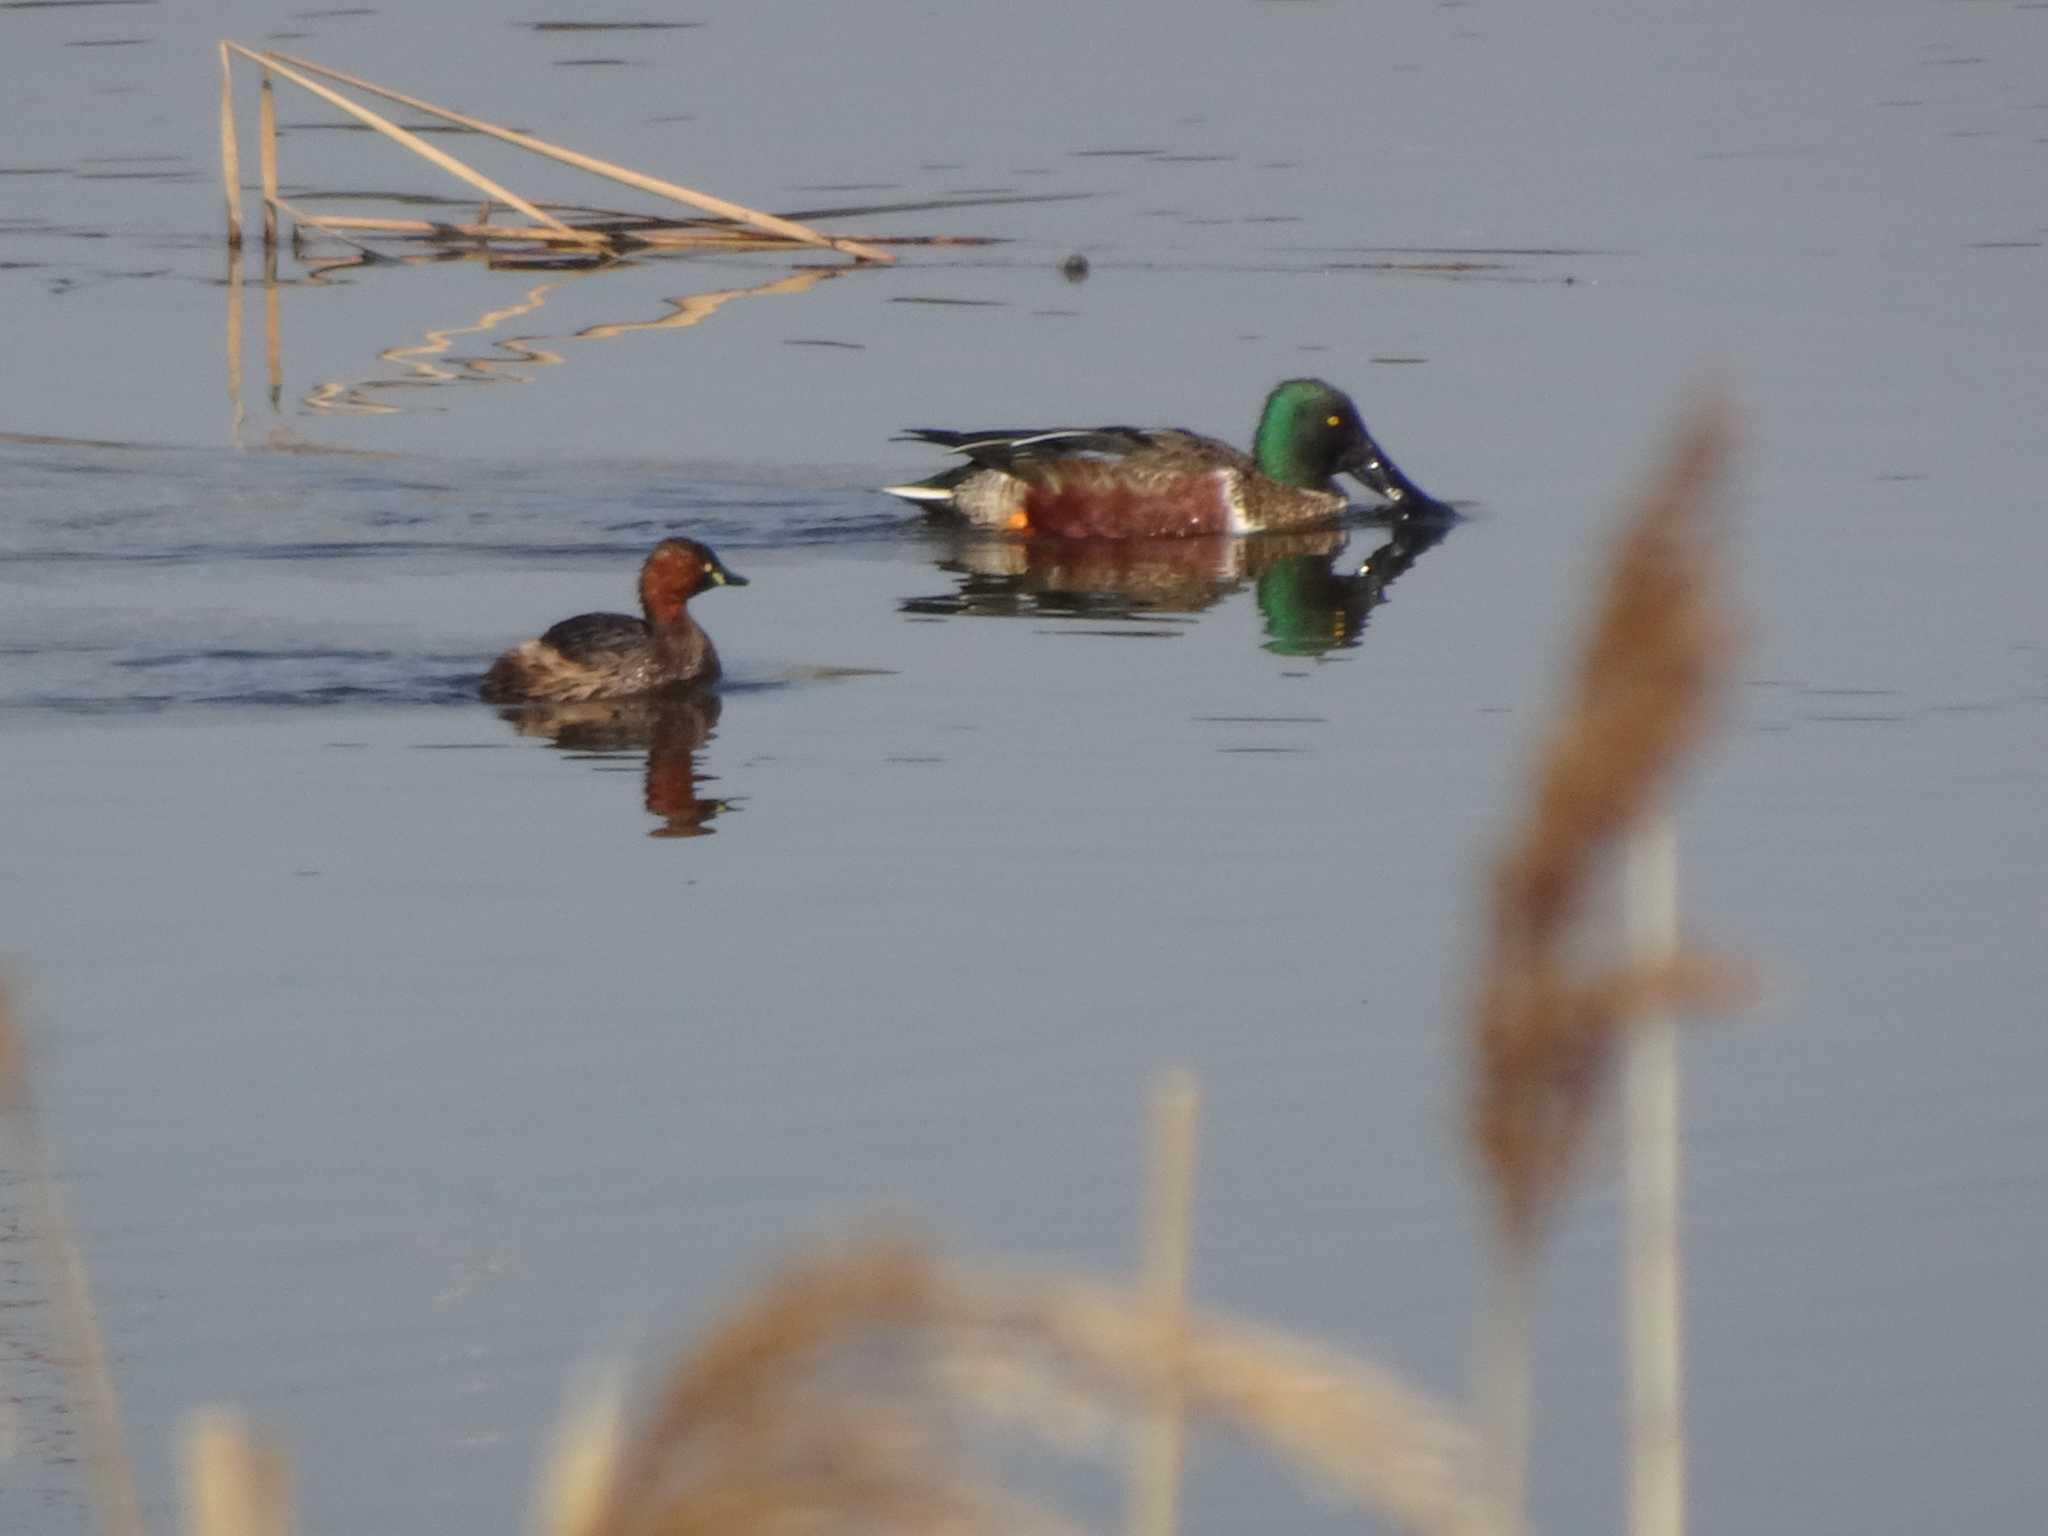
(616, 656)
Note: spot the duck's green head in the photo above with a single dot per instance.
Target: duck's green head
(1310, 432)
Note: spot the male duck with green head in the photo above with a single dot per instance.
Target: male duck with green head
(1128, 482)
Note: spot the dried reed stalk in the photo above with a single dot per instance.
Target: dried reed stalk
(1545, 1029)
(787, 229)
(680, 237)
(583, 1461)
(230, 156)
(236, 1483)
(1169, 1204)
(1655, 1287)
(266, 155)
(728, 1411)
(412, 141)
(705, 238)
(1504, 1387)
(82, 1349)
(326, 223)
(742, 1430)
(437, 229)
(1340, 1421)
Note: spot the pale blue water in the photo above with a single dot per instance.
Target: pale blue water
(396, 1071)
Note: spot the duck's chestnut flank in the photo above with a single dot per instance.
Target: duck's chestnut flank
(614, 655)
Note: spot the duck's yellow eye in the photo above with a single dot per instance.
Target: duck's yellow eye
(1331, 421)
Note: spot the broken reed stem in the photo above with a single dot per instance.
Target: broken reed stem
(501, 234)
(413, 142)
(81, 1348)
(324, 224)
(1169, 1203)
(236, 1483)
(1655, 1279)
(679, 238)
(788, 229)
(230, 157)
(266, 148)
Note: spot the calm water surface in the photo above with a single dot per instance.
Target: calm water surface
(398, 1063)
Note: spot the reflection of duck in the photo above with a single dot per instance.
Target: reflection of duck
(1114, 577)
(615, 656)
(671, 728)
(1127, 482)
(1311, 608)
(1309, 605)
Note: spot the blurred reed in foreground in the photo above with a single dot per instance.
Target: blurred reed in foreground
(1647, 685)
(81, 1348)
(1547, 1022)
(782, 1417)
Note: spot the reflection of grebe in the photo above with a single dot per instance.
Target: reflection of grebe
(671, 728)
(616, 656)
(1127, 482)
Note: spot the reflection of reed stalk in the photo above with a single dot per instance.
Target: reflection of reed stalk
(83, 1349)
(1545, 1027)
(234, 342)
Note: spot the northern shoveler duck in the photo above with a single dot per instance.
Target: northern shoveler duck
(616, 656)
(1129, 482)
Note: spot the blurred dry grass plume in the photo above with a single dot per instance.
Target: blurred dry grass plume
(836, 1397)
(1647, 686)
(786, 1417)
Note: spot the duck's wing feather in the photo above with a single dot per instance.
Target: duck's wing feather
(1163, 459)
(597, 634)
(1004, 450)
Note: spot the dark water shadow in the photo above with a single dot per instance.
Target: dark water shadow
(664, 734)
(607, 26)
(1311, 602)
(115, 681)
